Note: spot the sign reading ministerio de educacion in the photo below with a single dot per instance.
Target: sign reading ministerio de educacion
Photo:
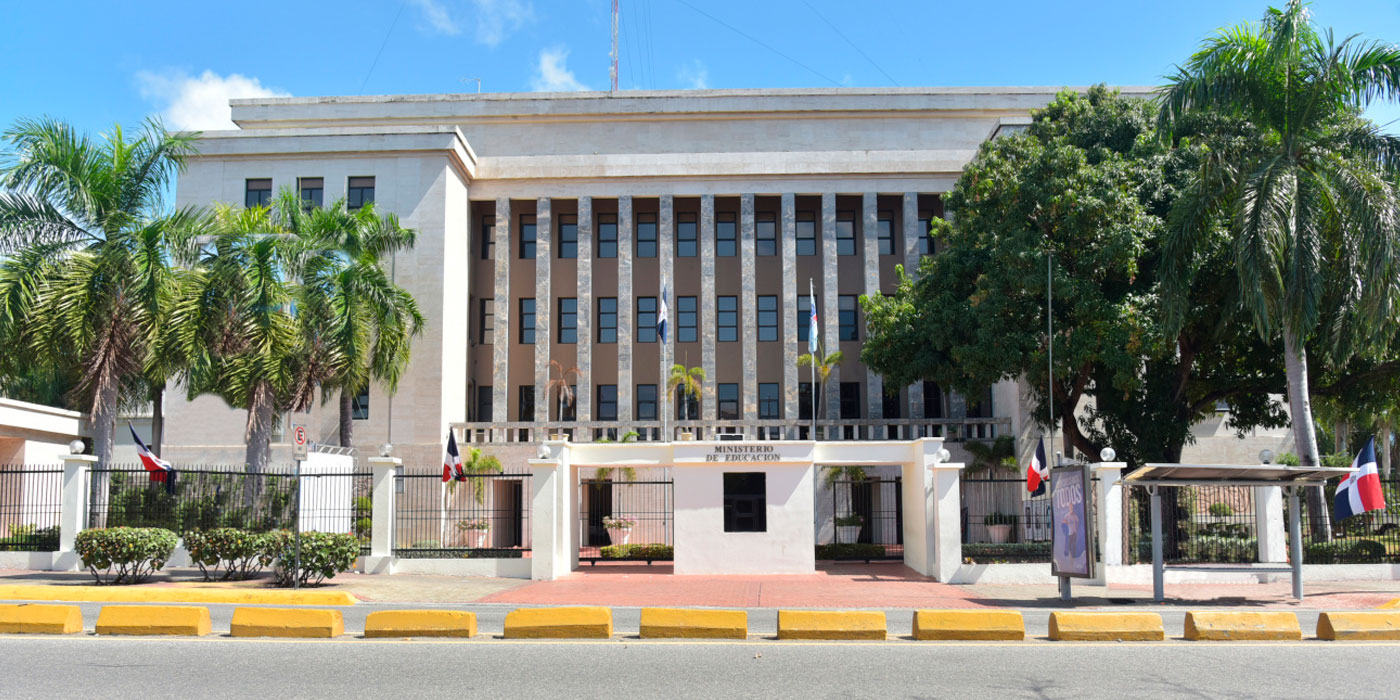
(742, 453)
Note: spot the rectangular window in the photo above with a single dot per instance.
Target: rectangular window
(527, 236)
(766, 233)
(486, 324)
(850, 399)
(845, 233)
(607, 235)
(726, 236)
(846, 306)
(257, 193)
(527, 321)
(687, 320)
(806, 233)
(568, 320)
(607, 402)
(646, 235)
(686, 241)
(359, 191)
(979, 403)
(933, 400)
(925, 242)
(484, 403)
(687, 405)
(312, 191)
(646, 319)
(890, 403)
(607, 319)
(359, 408)
(804, 319)
(527, 403)
(568, 236)
(727, 401)
(767, 318)
(727, 318)
(769, 405)
(745, 502)
(488, 237)
(884, 230)
(804, 400)
(646, 402)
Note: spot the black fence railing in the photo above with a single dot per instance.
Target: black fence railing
(867, 512)
(31, 498)
(487, 516)
(1001, 523)
(644, 508)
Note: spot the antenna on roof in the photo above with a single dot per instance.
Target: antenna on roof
(613, 69)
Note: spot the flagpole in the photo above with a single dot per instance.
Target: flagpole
(665, 370)
(811, 300)
(1050, 343)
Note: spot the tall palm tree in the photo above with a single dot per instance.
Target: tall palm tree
(824, 365)
(1311, 203)
(94, 211)
(559, 385)
(690, 381)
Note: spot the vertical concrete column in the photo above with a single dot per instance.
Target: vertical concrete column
(870, 235)
(831, 335)
(73, 513)
(1109, 515)
(909, 215)
(709, 407)
(748, 319)
(944, 491)
(665, 262)
(626, 230)
(788, 237)
(500, 360)
(544, 305)
(1268, 523)
(584, 397)
(550, 512)
(932, 506)
(381, 546)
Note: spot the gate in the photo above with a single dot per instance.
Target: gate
(877, 504)
(647, 505)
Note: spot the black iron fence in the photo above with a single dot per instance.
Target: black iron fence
(485, 516)
(31, 498)
(627, 519)
(1001, 523)
(868, 511)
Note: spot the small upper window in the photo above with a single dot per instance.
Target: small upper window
(806, 233)
(727, 401)
(686, 320)
(568, 320)
(312, 191)
(257, 193)
(359, 192)
(727, 318)
(768, 318)
(845, 233)
(884, 228)
(725, 236)
(768, 403)
(359, 408)
(486, 329)
(646, 319)
(527, 236)
(925, 241)
(646, 235)
(488, 237)
(686, 244)
(607, 319)
(846, 320)
(766, 234)
(607, 235)
(568, 236)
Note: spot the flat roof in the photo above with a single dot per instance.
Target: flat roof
(1227, 474)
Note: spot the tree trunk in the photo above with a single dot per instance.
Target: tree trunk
(1385, 449)
(1339, 439)
(1304, 435)
(157, 418)
(103, 416)
(258, 434)
(347, 417)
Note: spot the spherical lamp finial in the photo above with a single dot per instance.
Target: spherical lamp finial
(76, 447)
(386, 450)
(1107, 454)
(944, 455)
(1266, 456)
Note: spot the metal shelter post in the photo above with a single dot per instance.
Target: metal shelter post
(1158, 575)
(1295, 544)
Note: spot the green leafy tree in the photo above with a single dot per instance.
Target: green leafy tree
(824, 363)
(476, 463)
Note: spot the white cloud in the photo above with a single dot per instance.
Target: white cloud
(497, 19)
(551, 75)
(694, 76)
(199, 103)
(437, 18)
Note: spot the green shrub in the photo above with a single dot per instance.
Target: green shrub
(850, 550)
(1221, 510)
(364, 528)
(425, 544)
(1218, 549)
(999, 519)
(238, 554)
(30, 538)
(656, 552)
(1009, 552)
(850, 521)
(323, 555)
(1237, 530)
(1288, 459)
(125, 554)
(493, 554)
(1345, 551)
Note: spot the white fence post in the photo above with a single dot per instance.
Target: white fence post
(1268, 524)
(1109, 515)
(73, 516)
(381, 547)
(550, 515)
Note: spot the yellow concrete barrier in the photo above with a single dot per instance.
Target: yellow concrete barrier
(420, 623)
(127, 594)
(559, 623)
(1393, 604)
(1358, 626)
(830, 624)
(661, 623)
(1106, 627)
(40, 619)
(286, 622)
(1226, 626)
(153, 619)
(969, 624)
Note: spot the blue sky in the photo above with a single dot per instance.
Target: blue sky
(93, 64)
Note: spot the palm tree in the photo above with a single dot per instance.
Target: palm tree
(690, 381)
(1000, 454)
(476, 463)
(627, 473)
(94, 211)
(1310, 203)
(824, 365)
(559, 384)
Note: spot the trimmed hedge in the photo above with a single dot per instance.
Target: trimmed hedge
(238, 554)
(1009, 552)
(29, 538)
(850, 550)
(1345, 551)
(1219, 549)
(125, 554)
(323, 555)
(651, 552)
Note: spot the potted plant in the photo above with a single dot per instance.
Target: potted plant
(848, 528)
(619, 528)
(999, 527)
(475, 529)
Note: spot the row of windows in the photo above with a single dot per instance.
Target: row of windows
(359, 191)
(687, 242)
(687, 331)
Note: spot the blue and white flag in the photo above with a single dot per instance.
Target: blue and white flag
(812, 322)
(661, 317)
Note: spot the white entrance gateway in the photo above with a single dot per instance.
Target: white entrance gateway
(747, 507)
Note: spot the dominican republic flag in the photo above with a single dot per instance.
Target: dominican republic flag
(812, 321)
(1361, 491)
(159, 470)
(1038, 472)
(661, 317)
(453, 461)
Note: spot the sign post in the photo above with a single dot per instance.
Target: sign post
(298, 456)
(1072, 527)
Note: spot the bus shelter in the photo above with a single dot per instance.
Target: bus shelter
(1291, 479)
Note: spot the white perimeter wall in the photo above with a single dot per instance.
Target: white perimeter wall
(702, 545)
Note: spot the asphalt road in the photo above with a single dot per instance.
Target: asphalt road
(107, 667)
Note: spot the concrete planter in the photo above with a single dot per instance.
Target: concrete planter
(847, 534)
(1000, 534)
(476, 538)
(619, 535)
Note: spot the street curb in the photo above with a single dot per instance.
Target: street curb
(969, 625)
(1106, 627)
(286, 622)
(1222, 626)
(830, 624)
(25, 618)
(184, 621)
(420, 623)
(685, 623)
(1358, 626)
(559, 623)
(105, 594)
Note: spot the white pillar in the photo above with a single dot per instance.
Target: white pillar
(1109, 515)
(947, 514)
(72, 518)
(932, 512)
(1269, 527)
(550, 513)
(381, 547)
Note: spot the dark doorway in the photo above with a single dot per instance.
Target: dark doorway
(511, 495)
(600, 502)
(863, 504)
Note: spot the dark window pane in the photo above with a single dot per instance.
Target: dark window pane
(769, 406)
(359, 191)
(568, 320)
(686, 242)
(850, 399)
(646, 235)
(484, 403)
(527, 321)
(806, 233)
(686, 320)
(607, 402)
(257, 193)
(846, 307)
(884, 229)
(687, 406)
(804, 400)
(359, 407)
(933, 400)
(486, 329)
(727, 397)
(925, 242)
(607, 319)
(646, 319)
(607, 235)
(646, 402)
(527, 236)
(568, 236)
(979, 404)
(845, 233)
(766, 234)
(312, 191)
(804, 318)
(725, 235)
(767, 318)
(890, 403)
(745, 502)
(488, 237)
(527, 403)
(727, 318)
